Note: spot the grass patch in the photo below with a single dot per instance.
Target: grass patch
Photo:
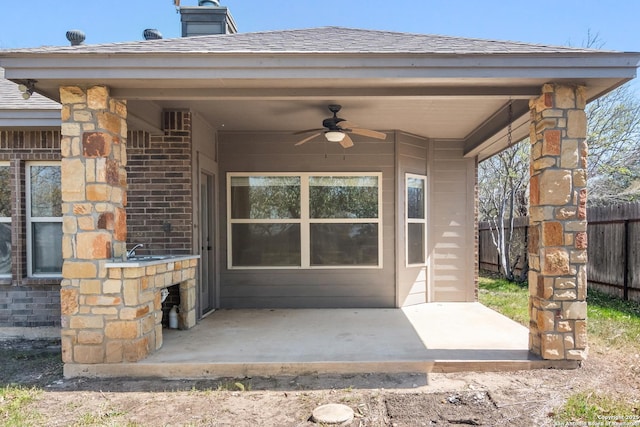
(600, 409)
(612, 322)
(508, 298)
(14, 402)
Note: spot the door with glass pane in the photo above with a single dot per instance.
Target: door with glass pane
(207, 244)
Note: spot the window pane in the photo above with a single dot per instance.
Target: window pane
(415, 244)
(343, 196)
(265, 197)
(415, 198)
(265, 245)
(5, 248)
(47, 247)
(344, 244)
(46, 197)
(5, 192)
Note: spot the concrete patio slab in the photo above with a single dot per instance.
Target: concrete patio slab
(437, 337)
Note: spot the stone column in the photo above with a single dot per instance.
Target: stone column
(93, 149)
(558, 224)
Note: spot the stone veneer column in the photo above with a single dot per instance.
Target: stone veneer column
(558, 224)
(93, 148)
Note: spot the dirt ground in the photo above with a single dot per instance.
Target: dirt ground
(523, 398)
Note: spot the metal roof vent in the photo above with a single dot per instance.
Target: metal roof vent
(152, 34)
(209, 3)
(76, 37)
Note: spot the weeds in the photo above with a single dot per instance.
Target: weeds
(601, 409)
(244, 385)
(14, 403)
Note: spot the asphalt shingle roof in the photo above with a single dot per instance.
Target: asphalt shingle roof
(315, 40)
(11, 98)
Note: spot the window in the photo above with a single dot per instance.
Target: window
(416, 224)
(44, 219)
(314, 220)
(5, 221)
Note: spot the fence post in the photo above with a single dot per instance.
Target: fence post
(627, 260)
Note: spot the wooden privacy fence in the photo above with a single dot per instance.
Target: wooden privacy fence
(488, 254)
(613, 234)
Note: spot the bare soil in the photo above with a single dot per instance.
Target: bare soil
(523, 398)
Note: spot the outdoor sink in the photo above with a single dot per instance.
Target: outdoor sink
(148, 257)
(136, 261)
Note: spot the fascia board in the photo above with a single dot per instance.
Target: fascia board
(316, 65)
(30, 118)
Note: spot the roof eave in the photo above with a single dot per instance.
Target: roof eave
(245, 65)
(30, 118)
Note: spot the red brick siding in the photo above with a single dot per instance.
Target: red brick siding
(26, 302)
(159, 209)
(159, 193)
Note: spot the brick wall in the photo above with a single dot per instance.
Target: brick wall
(159, 210)
(29, 306)
(26, 302)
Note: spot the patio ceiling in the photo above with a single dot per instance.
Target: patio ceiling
(471, 110)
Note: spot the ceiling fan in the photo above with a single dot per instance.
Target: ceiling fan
(337, 129)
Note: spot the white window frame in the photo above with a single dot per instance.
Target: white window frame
(30, 220)
(305, 221)
(408, 220)
(5, 219)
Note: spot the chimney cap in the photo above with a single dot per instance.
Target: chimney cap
(152, 34)
(209, 3)
(76, 37)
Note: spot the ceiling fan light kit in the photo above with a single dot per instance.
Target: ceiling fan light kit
(334, 136)
(336, 129)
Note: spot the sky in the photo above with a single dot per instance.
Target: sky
(32, 23)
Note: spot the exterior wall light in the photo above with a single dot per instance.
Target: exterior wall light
(27, 88)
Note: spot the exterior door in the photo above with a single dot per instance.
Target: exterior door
(207, 244)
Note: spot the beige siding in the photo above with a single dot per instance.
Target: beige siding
(411, 155)
(275, 152)
(204, 154)
(451, 204)
(204, 151)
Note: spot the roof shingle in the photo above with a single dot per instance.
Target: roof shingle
(11, 98)
(314, 40)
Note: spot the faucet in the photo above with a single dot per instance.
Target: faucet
(131, 252)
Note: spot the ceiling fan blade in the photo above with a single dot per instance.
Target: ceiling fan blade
(368, 132)
(346, 141)
(309, 138)
(345, 124)
(300, 132)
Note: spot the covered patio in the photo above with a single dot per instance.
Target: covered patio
(181, 144)
(437, 337)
